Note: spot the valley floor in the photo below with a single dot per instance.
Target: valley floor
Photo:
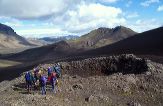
(7, 63)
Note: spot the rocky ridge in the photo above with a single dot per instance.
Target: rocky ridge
(102, 37)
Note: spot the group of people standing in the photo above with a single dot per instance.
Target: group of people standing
(41, 77)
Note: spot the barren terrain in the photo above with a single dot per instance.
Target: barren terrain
(90, 85)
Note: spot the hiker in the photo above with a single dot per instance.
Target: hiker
(53, 81)
(57, 69)
(36, 71)
(34, 80)
(49, 71)
(42, 81)
(28, 80)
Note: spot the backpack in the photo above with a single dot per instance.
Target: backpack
(58, 71)
(27, 76)
(33, 79)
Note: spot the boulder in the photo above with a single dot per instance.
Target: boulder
(133, 103)
(77, 86)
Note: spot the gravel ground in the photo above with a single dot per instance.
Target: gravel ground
(116, 89)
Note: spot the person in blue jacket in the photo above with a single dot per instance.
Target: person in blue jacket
(43, 81)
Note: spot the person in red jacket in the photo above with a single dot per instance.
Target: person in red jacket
(53, 80)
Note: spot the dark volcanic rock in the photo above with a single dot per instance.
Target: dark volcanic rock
(106, 65)
(133, 104)
(77, 86)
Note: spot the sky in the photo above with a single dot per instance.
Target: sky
(39, 18)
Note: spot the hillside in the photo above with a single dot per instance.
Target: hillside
(146, 43)
(101, 37)
(9, 38)
(47, 52)
(104, 35)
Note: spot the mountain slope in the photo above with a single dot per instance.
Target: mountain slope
(48, 52)
(68, 48)
(101, 37)
(149, 42)
(9, 38)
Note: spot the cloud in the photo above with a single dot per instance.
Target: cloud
(29, 9)
(90, 16)
(160, 8)
(133, 15)
(50, 17)
(109, 1)
(148, 2)
(80, 20)
(42, 32)
(144, 25)
(71, 16)
(11, 21)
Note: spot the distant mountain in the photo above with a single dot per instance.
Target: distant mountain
(37, 42)
(74, 46)
(146, 43)
(59, 38)
(101, 37)
(50, 40)
(9, 38)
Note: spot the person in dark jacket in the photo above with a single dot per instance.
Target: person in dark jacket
(43, 81)
(28, 80)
